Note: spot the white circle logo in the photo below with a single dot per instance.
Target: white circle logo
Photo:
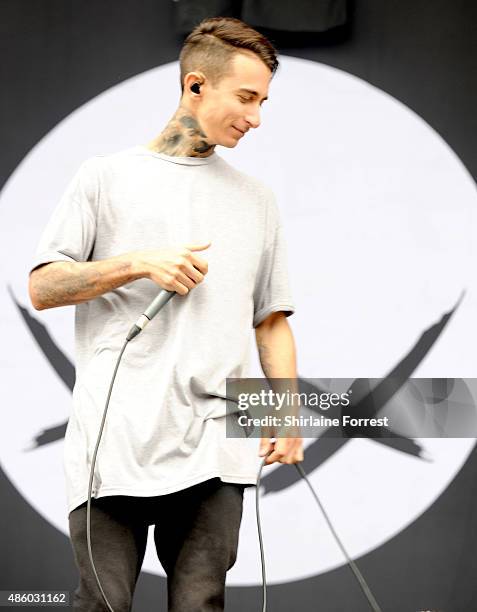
(379, 216)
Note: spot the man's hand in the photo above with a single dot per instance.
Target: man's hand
(285, 450)
(63, 283)
(174, 268)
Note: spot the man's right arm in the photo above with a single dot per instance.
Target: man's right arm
(63, 283)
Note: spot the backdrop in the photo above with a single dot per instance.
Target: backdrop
(366, 140)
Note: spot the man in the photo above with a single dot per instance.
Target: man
(128, 223)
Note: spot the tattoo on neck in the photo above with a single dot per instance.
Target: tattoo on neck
(183, 136)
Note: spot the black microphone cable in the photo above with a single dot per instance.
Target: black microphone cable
(359, 576)
(161, 299)
(88, 507)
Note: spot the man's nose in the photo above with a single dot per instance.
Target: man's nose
(253, 118)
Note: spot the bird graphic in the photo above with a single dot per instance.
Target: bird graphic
(370, 400)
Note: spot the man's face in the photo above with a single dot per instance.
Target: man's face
(233, 107)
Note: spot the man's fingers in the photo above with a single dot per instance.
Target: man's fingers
(287, 451)
(279, 450)
(294, 457)
(200, 264)
(273, 457)
(197, 262)
(194, 273)
(266, 445)
(296, 452)
(198, 247)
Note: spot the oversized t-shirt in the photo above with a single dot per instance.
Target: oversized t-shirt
(165, 424)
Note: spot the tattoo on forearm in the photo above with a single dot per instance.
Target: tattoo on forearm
(265, 355)
(66, 285)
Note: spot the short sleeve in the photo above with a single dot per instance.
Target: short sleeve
(70, 232)
(272, 291)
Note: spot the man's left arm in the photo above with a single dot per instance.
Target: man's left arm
(277, 352)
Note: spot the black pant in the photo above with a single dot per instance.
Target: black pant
(196, 538)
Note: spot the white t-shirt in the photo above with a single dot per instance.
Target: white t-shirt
(165, 424)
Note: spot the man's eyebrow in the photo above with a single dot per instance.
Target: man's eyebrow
(252, 92)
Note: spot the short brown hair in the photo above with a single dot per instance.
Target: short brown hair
(211, 45)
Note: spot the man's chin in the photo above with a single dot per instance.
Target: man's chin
(230, 143)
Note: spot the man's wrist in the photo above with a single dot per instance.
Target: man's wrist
(137, 267)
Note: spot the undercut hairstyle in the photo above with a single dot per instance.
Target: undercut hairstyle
(211, 46)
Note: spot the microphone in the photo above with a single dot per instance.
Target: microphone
(151, 311)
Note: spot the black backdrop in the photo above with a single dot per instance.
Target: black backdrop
(58, 54)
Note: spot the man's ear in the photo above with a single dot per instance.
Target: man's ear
(194, 79)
